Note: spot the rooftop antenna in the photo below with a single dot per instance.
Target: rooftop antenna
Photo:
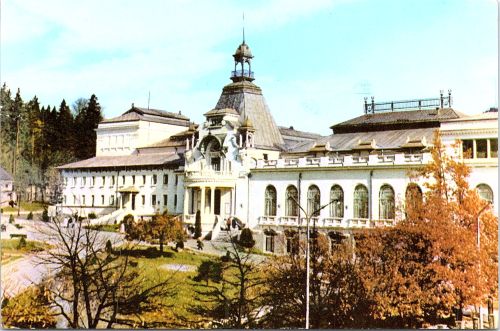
(149, 97)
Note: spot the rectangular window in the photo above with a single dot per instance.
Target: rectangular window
(143, 179)
(176, 179)
(494, 147)
(64, 199)
(481, 148)
(153, 200)
(111, 200)
(265, 156)
(113, 180)
(93, 180)
(175, 201)
(165, 199)
(83, 200)
(84, 180)
(270, 244)
(92, 200)
(467, 149)
(74, 199)
(102, 200)
(165, 179)
(133, 180)
(123, 180)
(143, 199)
(153, 180)
(103, 181)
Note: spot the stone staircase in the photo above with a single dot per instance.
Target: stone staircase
(116, 215)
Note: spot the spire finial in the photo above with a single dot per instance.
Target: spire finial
(243, 27)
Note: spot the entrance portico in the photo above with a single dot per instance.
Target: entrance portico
(214, 202)
(127, 200)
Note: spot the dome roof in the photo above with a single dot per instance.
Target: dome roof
(243, 51)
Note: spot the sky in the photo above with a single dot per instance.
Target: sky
(314, 60)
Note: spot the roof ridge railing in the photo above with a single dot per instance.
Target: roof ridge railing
(426, 103)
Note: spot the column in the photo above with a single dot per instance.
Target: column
(186, 201)
(202, 205)
(212, 200)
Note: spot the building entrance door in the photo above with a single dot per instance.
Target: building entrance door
(217, 202)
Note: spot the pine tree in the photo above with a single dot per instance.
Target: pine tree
(87, 121)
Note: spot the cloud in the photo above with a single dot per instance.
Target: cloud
(122, 49)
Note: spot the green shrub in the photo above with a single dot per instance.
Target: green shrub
(109, 247)
(197, 225)
(22, 243)
(11, 219)
(45, 215)
(92, 216)
(18, 226)
(209, 270)
(246, 238)
(30, 216)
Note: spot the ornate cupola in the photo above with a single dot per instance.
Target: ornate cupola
(242, 55)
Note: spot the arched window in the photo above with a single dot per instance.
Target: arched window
(337, 206)
(313, 200)
(413, 199)
(360, 202)
(485, 192)
(386, 203)
(270, 201)
(291, 206)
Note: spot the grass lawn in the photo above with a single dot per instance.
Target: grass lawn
(11, 251)
(105, 227)
(178, 315)
(27, 206)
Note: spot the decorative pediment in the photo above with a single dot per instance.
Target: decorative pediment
(366, 145)
(415, 143)
(321, 148)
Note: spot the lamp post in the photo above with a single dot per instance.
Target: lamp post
(308, 217)
(478, 238)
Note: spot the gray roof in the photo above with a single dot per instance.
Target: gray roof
(397, 118)
(247, 99)
(151, 115)
(389, 139)
(221, 111)
(134, 160)
(4, 175)
(290, 131)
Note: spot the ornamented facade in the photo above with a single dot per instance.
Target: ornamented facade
(240, 168)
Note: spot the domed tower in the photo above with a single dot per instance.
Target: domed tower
(247, 100)
(242, 55)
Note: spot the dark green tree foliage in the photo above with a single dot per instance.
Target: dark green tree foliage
(197, 225)
(34, 139)
(246, 238)
(86, 123)
(231, 297)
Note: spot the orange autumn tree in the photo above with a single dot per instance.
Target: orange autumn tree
(429, 263)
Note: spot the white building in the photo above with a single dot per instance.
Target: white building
(7, 193)
(137, 170)
(239, 165)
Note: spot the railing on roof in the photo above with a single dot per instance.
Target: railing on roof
(242, 73)
(441, 102)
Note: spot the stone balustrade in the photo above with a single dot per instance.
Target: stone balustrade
(346, 160)
(326, 222)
